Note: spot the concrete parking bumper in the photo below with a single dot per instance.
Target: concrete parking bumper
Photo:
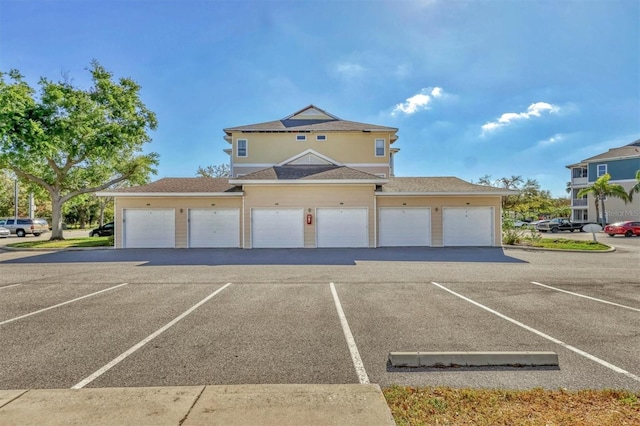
(347, 404)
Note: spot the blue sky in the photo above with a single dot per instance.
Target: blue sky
(484, 87)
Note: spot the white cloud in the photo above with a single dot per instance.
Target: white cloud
(402, 71)
(534, 110)
(419, 101)
(557, 138)
(349, 69)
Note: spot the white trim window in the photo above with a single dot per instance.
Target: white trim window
(321, 138)
(242, 148)
(601, 170)
(301, 138)
(380, 148)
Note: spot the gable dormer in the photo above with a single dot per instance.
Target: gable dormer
(309, 158)
(311, 113)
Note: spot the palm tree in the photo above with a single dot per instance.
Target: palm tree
(636, 187)
(601, 189)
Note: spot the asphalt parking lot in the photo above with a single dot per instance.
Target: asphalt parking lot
(121, 318)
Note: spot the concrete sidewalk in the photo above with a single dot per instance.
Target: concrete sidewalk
(231, 405)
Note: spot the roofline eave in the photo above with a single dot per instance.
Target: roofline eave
(444, 193)
(169, 194)
(308, 181)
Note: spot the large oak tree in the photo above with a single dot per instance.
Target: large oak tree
(73, 141)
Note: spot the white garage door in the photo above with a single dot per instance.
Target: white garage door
(149, 228)
(214, 228)
(468, 226)
(342, 227)
(403, 227)
(277, 228)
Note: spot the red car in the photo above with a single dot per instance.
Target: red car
(627, 228)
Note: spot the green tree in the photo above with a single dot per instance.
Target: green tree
(25, 189)
(214, 171)
(81, 210)
(486, 181)
(6, 194)
(530, 198)
(71, 141)
(600, 190)
(636, 188)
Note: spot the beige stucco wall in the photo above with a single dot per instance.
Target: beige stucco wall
(308, 197)
(181, 206)
(437, 203)
(344, 147)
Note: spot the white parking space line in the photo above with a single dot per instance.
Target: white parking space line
(586, 297)
(8, 286)
(143, 342)
(351, 343)
(61, 304)
(546, 336)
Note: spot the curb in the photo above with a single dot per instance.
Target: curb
(55, 249)
(611, 249)
(473, 359)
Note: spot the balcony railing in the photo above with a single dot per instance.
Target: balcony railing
(579, 181)
(579, 202)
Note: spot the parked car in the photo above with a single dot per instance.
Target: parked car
(627, 228)
(4, 232)
(539, 222)
(24, 226)
(558, 224)
(516, 223)
(105, 230)
(44, 222)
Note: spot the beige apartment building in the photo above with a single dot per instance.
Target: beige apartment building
(309, 180)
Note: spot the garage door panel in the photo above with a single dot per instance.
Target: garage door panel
(405, 227)
(217, 228)
(342, 227)
(149, 228)
(277, 228)
(468, 226)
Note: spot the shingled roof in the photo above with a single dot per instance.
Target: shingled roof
(309, 126)
(394, 185)
(180, 185)
(631, 150)
(438, 185)
(308, 172)
(328, 123)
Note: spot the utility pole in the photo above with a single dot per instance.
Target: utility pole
(15, 202)
(32, 206)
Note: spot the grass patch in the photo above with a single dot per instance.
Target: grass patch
(563, 243)
(72, 242)
(448, 406)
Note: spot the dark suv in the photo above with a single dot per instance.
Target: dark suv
(22, 227)
(105, 230)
